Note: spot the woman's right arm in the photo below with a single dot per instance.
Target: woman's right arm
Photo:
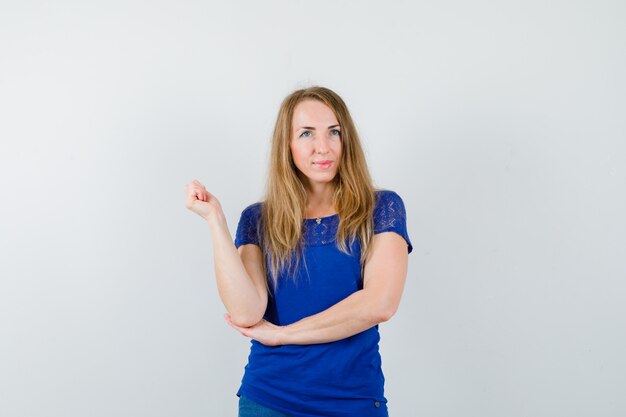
(239, 272)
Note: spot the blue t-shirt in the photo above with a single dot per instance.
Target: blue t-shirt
(341, 378)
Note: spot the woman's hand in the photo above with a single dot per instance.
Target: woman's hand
(263, 332)
(200, 201)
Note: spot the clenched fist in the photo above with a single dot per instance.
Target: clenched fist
(200, 201)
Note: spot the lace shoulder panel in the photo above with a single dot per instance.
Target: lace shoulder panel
(248, 229)
(390, 215)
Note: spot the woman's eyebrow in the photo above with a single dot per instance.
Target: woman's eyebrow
(312, 128)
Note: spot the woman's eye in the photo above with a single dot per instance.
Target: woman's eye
(335, 132)
(305, 134)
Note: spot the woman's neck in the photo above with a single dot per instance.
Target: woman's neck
(319, 201)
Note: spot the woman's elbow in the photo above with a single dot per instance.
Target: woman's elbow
(385, 315)
(243, 320)
(247, 318)
(385, 311)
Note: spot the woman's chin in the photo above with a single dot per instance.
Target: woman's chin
(314, 180)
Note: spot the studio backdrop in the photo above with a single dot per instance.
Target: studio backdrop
(502, 125)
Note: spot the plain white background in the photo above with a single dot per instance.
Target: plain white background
(501, 124)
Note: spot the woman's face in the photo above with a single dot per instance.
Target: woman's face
(315, 141)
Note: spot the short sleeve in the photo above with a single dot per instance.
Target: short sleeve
(248, 228)
(390, 215)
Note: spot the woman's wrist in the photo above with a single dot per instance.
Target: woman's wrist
(215, 218)
(284, 336)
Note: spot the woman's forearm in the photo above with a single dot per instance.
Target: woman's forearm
(383, 282)
(236, 288)
(354, 314)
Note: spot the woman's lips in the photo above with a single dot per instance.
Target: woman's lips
(323, 164)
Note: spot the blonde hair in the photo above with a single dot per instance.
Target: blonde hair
(285, 199)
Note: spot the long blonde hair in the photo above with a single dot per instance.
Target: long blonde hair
(286, 196)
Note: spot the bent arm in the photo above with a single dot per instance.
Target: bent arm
(383, 283)
(239, 275)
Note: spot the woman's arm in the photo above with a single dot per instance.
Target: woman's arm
(239, 275)
(383, 282)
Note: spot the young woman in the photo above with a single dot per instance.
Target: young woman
(314, 268)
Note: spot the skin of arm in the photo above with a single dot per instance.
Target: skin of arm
(383, 282)
(239, 275)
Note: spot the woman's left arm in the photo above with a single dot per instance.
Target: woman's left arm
(383, 281)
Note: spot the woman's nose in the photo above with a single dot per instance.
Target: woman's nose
(321, 145)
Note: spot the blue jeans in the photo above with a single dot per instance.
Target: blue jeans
(248, 408)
